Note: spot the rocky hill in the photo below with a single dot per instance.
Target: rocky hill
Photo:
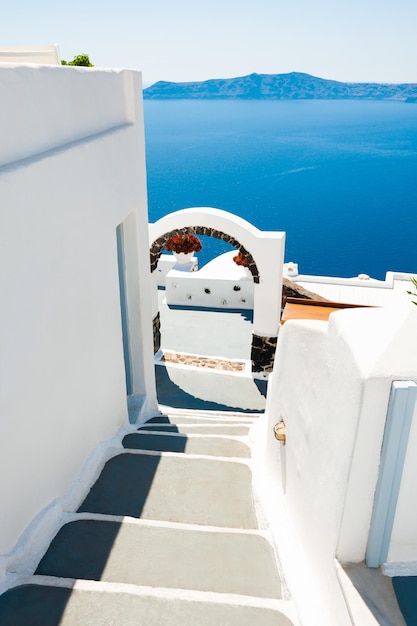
(293, 86)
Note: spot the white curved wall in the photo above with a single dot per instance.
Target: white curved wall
(61, 360)
(331, 386)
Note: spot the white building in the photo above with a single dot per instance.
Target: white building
(74, 253)
(76, 340)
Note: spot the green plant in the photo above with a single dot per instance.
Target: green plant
(413, 293)
(81, 60)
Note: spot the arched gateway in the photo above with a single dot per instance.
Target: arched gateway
(264, 251)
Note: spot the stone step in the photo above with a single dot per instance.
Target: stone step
(35, 605)
(210, 413)
(179, 418)
(214, 560)
(167, 536)
(172, 442)
(174, 487)
(202, 429)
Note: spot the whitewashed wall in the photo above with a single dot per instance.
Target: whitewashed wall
(331, 386)
(221, 284)
(72, 169)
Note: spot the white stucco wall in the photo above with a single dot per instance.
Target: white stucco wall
(219, 284)
(69, 108)
(331, 385)
(63, 191)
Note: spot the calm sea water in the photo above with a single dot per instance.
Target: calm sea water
(339, 177)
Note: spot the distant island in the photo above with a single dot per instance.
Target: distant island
(292, 86)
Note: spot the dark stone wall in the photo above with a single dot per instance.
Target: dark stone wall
(156, 333)
(263, 353)
(292, 290)
(159, 244)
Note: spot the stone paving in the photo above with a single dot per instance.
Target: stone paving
(202, 361)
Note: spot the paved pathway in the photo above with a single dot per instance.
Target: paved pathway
(215, 333)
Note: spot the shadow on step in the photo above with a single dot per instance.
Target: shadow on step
(174, 488)
(81, 549)
(121, 489)
(123, 486)
(155, 442)
(32, 605)
(248, 398)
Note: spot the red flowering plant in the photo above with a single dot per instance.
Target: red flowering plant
(183, 243)
(240, 259)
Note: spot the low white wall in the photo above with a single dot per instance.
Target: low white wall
(165, 264)
(45, 55)
(220, 284)
(61, 360)
(331, 385)
(387, 283)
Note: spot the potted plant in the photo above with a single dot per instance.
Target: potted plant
(183, 247)
(239, 259)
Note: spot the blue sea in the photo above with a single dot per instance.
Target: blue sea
(339, 177)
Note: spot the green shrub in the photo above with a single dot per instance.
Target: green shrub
(81, 60)
(413, 293)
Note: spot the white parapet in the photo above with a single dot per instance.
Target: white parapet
(166, 263)
(219, 284)
(45, 55)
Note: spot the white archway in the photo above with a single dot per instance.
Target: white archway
(266, 252)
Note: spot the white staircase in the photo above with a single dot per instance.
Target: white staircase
(168, 535)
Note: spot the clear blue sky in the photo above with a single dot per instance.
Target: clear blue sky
(185, 40)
